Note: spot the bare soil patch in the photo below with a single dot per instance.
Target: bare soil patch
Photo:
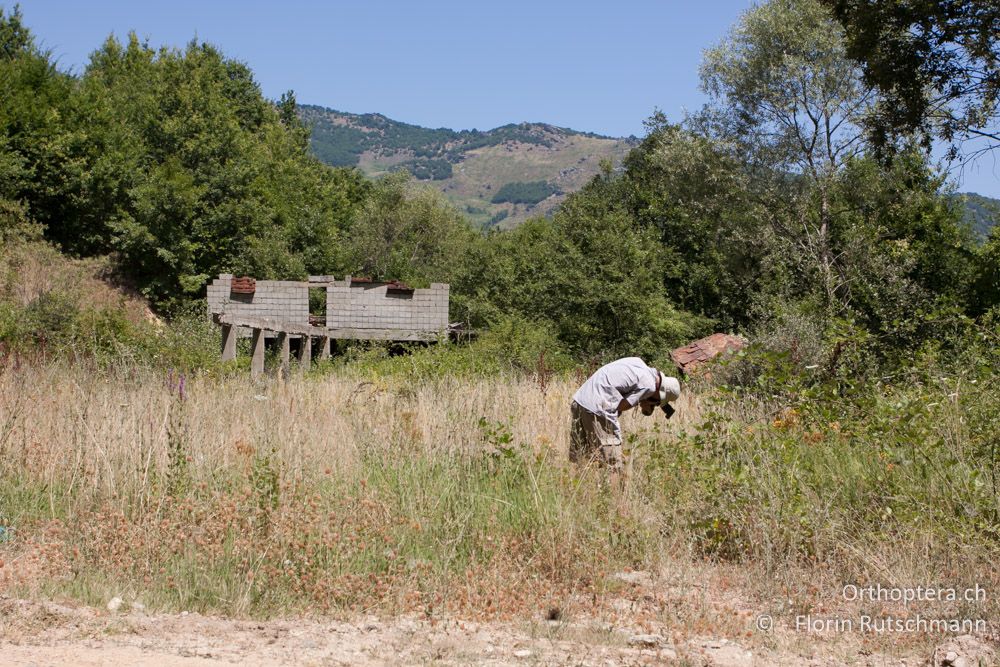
(649, 620)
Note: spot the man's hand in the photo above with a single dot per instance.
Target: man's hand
(647, 405)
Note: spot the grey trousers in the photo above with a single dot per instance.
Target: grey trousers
(592, 437)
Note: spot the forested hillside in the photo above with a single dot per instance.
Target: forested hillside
(470, 167)
(981, 213)
(493, 176)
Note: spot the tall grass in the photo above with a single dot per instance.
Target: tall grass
(331, 492)
(349, 492)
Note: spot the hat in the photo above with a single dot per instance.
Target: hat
(670, 388)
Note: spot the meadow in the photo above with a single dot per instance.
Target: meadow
(366, 488)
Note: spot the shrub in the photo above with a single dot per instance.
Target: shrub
(512, 346)
(524, 193)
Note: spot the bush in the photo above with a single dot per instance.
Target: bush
(189, 342)
(801, 465)
(512, 346)
(524, 193)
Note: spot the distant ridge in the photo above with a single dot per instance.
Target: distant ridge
(503, 176)
(496, 177)
(981, 213)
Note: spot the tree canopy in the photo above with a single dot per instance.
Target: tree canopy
(766, 206)
(935, 62)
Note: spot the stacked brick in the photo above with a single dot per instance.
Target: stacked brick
(693, 355)
(357, 305)
(282, 300)
(244, 285)
(383, 306)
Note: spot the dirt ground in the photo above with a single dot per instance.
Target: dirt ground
(80, 638)
(648, 621)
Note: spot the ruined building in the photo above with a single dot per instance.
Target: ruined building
(355, 308)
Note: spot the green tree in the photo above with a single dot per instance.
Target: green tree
(310, 208)
(985, 287)
(790, 100)
(696, 193)
(15, 39)
(407, 232)
(936, 63)
(767, 200)
(288, 113)
(174, 149)
(36, 169)
(591, 271)
(186, 170)
(904, 253)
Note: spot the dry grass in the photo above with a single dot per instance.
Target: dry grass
(341, 493)
(113, 427)
(325, 493)
(31, 270)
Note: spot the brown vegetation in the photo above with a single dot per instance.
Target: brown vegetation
(349, 494)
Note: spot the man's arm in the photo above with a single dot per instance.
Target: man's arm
(634, 398)
(644, 388)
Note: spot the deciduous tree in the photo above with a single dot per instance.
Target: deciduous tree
(791, 102)
(936, 64)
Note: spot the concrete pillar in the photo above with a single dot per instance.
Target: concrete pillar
(257, 346)
(228, 342)
(305, 352)
(324, 350)
(285, 352)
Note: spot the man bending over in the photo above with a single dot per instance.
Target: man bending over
(613, 389)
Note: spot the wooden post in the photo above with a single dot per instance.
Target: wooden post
(228, 342)
(285, 352)
(305, 352)
(324, 350)
(257, 345)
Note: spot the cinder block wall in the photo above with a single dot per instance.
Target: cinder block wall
(367, 306)
(284, 300)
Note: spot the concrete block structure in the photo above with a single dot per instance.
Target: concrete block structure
(284, 300)
(361, 304)
(355, 308)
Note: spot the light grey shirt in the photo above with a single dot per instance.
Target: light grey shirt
(629, 378)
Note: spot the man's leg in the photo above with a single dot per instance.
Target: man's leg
(614, 461)
(577, 433)
(586, 436)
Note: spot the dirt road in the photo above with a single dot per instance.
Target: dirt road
(694, 617)
(37, 633)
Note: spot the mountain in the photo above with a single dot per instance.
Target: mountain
(500, 176)
(981, 213)
(496, 177)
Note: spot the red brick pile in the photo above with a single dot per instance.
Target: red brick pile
(693, 355)
(244, 285)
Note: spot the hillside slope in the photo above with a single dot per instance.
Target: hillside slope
(43, 288)
(981, 213)
(501, 176)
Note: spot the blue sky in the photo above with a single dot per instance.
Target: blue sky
(594, 66)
